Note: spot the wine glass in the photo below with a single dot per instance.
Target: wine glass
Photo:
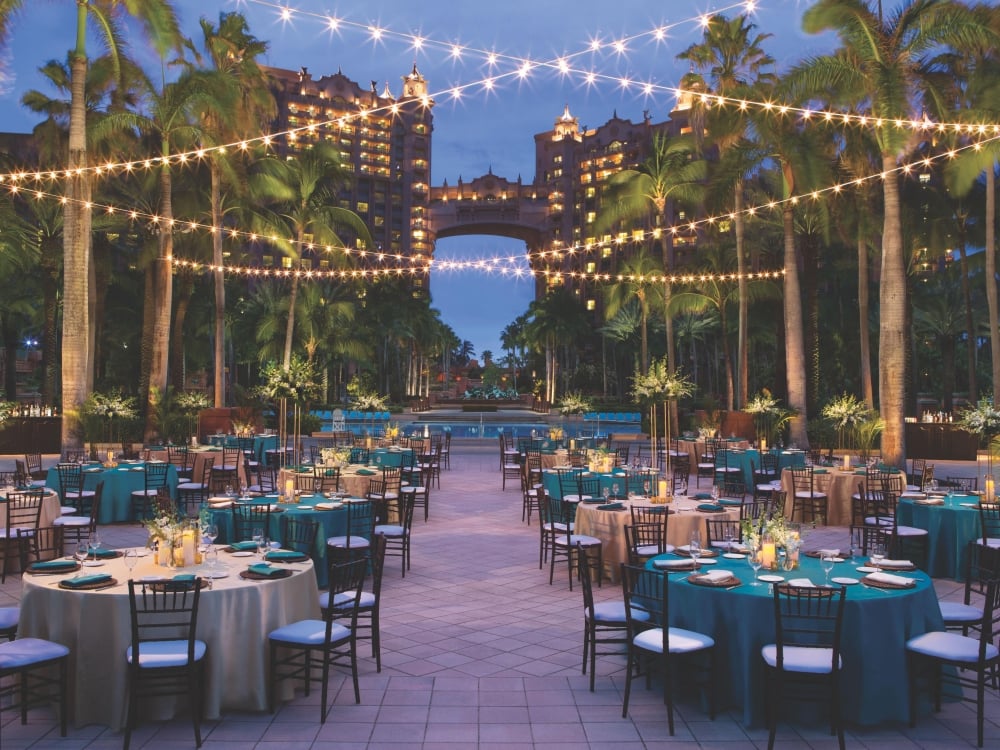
(614, 489)
(826, 561)
(694, 547)
(131, 559)
(730, 537)
(229, 490)
(876, 554)
(81, 551)
(257, 536)
(606, 492)
(715, 493)
(93, 544)
(209, 532)
(755, 561)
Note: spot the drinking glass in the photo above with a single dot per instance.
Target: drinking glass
(730, 536)
(826, 561)
(755, 561)
(93, 544)
(715, 493)
(876, 554)
(614, 489)
(229, 490)
(694, 547)
(258, 538)
(211, 558)
(645, 488)
(606, 492)
(131, 558)
(209, 533)
(81, 551)
(263, 544)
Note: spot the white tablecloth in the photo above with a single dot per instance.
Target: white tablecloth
(234, 618)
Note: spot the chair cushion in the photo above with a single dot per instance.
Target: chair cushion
(159, 654)
(358, 542)
(343, 600)
(647, 550)
(9, 617)
(614, 612)
(389, 529)
(802, 659)
(309, 633)
(911, 531)
(681, 641)
(574, 539)
(878, 521)
(191, 486)
(949, 646)
(958, 613)
(27, 651)
(67, 510)
(71, 521)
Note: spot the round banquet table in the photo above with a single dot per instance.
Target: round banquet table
(119, 483)
(332, 522)
(626, 480)
(950, 526)
(51, 509)
(838, 485)
(877, 624)
(609, 526)
(234, 619)
(354, 478)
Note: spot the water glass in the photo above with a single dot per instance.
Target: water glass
(826, 561)
(131, 559)
(694, 547)
(754, 561)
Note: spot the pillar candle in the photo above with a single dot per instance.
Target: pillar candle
(847, 462)
(572, 444)
(662, 488)
(991, 494)
(768, 555)
(290, 490)
(188, 545)
(763, 444)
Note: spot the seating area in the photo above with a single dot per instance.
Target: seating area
(458, 668)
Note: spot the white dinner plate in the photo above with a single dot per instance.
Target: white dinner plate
(768, 578)
(734, 556)
(845, 581)
(706, 561)
(866, 569)
(214, 573)
(244, 553)
(92, 564)
(328, 506)
(147, 579)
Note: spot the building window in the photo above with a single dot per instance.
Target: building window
(591, 305)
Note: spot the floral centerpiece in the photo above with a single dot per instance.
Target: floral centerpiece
(335, 457)
(777, 541)
(846, 413)
(574, 403)
(660, 385)
(108, 417)
(173, 538)
(982, 420)
(392, 430)
(768, 417)
(556, 433)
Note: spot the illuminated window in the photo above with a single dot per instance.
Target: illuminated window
(605, 252)
(591, 304)
(591, 267)
(557, 159)
(591, 192)
(556, 173)
(591, 217)
(362, 207)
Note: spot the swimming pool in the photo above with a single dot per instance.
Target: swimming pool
(486, 429)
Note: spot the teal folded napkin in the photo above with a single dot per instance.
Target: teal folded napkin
(703, 496)
(819, 471)
(105, 554)
(263, 569)
(611, 506)
(709, 507)
(53, 565)
(184, 577)
(86, 580)
(365, 472)
(244, 546)
(282, 554)
(729, 501)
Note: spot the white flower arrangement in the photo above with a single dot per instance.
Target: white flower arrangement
(982, 419)
(658, 384)
(574, 403)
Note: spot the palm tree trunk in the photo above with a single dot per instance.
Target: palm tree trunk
(970, 348)
(219, 345)
(76, 251)
(163, 301)
(742, 356)
(795, 372)
(991, 279)
(185, 290)
(290, 325)
(864, 334)
(892, 322)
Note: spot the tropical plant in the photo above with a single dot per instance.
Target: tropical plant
(295, 382)
(660, 386)
(983, 420)
(769, 417)
(845, 413)
(574, 402)
(109, 417)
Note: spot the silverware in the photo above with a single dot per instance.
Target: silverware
(875, 588)
(730, 588)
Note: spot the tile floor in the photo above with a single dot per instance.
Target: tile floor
(479, 651)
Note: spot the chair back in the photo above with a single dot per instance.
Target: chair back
(360, 520)
(24, 509)
(802, 479)
(989, 628)
(156, 477)
(760, 509)
(20, 474)
(567, 481)
(644, 540)
(989, 518)
(165, 610)
(33, 463)
(964, 484)
(49, 544)
(326, 478)
(70, 478)
(346, 579)
(583, 569)
(359, 455)
(733, 490)
(250, 516)
(299, 534)
(392, 475)
(717, 530)
(808, 617)
(645, 589)
(180, 457)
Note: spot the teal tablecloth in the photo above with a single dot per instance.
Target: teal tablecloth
(627, 481)
(332, 523)
(877, 624)
(950, 527)
(119, 483)
(261, 444)
(747, 460)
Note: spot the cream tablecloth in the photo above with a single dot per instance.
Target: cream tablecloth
(609, 527)
(234, 619)
(838, 485)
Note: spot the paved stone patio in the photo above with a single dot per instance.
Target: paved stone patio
(479, 651)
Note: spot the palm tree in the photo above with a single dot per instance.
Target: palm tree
(557, 317)
(633, 283)
(157, 19)
(731, 55)
(232, 51)
(303, 192)
(670, 175)
(171, 124)
(882, 66)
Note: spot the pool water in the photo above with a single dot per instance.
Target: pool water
(518, 430)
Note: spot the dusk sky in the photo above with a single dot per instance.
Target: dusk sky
(480, 131)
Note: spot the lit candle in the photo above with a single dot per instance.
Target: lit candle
(847, 462)
(572, 443)
(991, 494)
(290, 490)
(763, 444)
(188, 545)
(768, 555)
(662, 488)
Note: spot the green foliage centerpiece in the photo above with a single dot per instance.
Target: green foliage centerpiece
(660, 386)
(296, 384)
(769, 418)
